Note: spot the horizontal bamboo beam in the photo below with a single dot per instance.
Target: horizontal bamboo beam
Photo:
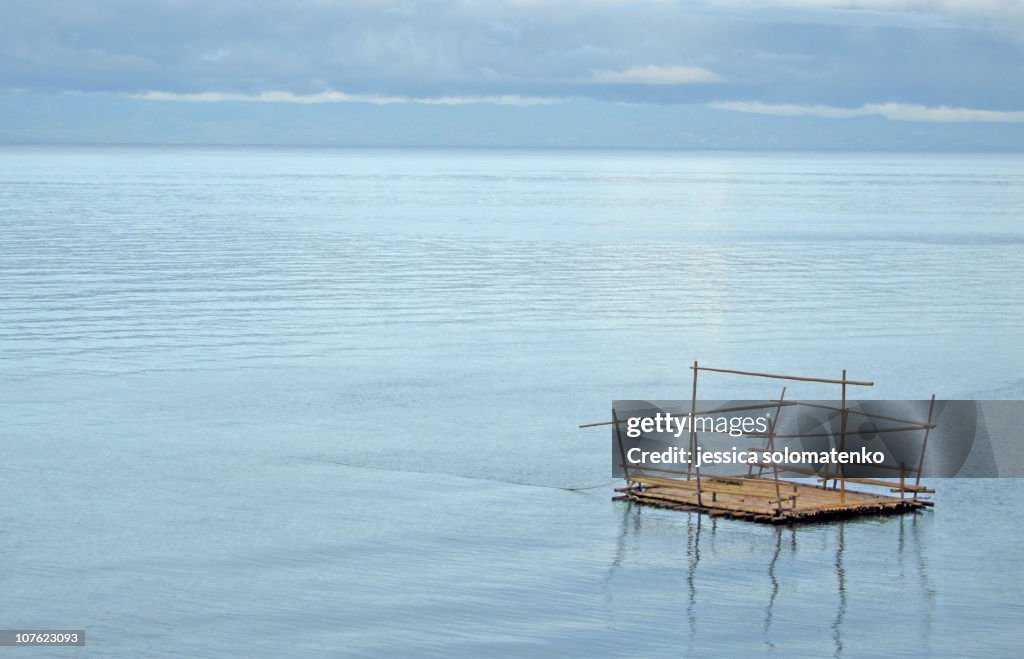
(675, 482)
(795, 470)
(784, 467)
(784, 377)
(714, 479)
(906, 470)
(666, 482)
(880, 483)
(639, 467)
(739, 408)
(911, 425)
(871, 415)
(828, 434)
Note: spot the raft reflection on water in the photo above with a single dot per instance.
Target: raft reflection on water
(701, 558)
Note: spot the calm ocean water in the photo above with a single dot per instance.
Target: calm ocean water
(319, 402)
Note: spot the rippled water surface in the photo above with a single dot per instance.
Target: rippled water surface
(277, 402)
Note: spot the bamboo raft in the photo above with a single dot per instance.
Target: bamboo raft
(755, 499)
(774, 500)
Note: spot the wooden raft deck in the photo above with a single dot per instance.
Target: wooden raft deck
(755, 499)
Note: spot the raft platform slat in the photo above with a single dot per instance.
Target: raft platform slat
(755, 499)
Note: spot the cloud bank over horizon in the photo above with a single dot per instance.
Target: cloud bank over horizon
(929, 61)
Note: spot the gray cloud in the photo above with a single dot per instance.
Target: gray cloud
(830, 53)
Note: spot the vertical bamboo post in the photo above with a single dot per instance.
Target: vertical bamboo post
(902, 491)
(622, 449)
(842, 445)
(693, 432)
(924, 444)
(771, 449)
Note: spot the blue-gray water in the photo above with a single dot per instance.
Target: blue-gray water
(279, 402)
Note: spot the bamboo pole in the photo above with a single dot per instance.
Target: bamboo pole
(828, 434)
(889, 484)
(911, 425)
(771, 447)
(842, 444)
(664, 470)
(870, 415)
(793, 468)
(622, 449)
(787, 467)
(784, 377)
(693, 430)
(739, 408)
(924, 444)
(906, 469)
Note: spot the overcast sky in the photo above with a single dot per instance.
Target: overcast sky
(920, 61)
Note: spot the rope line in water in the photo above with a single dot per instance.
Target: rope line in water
(474, 478)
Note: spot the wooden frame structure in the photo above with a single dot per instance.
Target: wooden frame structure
(775, 500)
